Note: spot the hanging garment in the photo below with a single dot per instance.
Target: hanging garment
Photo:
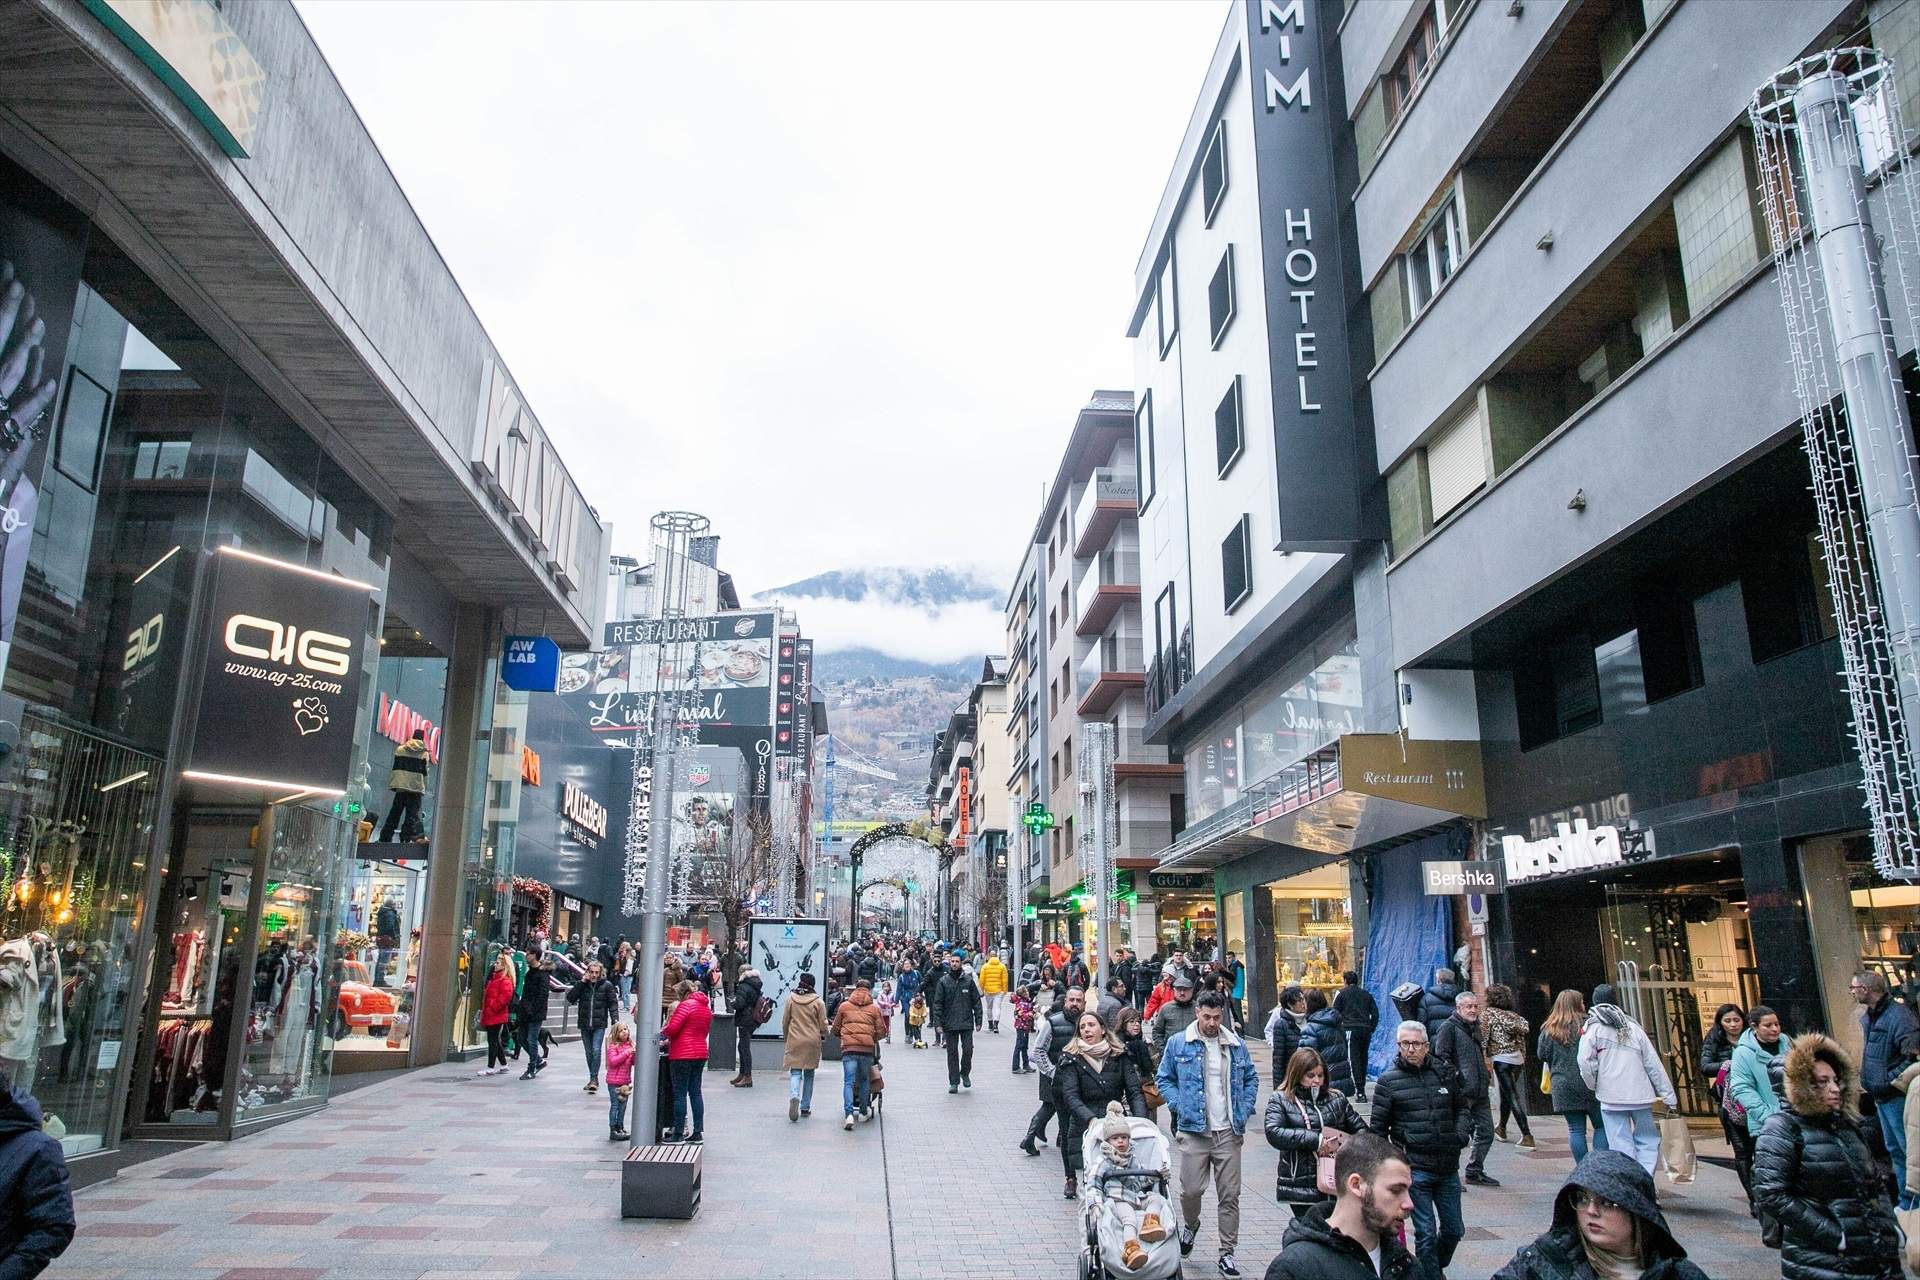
(19, 1000)
(53, 1010)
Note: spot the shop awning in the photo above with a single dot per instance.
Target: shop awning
(1359, 790)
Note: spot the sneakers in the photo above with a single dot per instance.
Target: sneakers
(847, 1124)
(618, 1135)
(805, 1112)
(1133, 1255)
(793, 1110)
(1526, 1142)
(1482, 1179)
(1500, 1132)
(1229, 1268)
(529, 1073)
(1152, 1230)
(1187, 1236)
(1073, 1188)
(696, 1138)
(966, 1082)
(484, 1071)
(593, 1086)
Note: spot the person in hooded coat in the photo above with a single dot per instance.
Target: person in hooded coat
(1816, 1177)
(747, 991)
(1436, 1002)
(1605, 1224)
(39, 1206)
(803, 1028)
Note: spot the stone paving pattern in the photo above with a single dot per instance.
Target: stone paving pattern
(438, 1174)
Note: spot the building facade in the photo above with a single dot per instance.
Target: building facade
(274, 504)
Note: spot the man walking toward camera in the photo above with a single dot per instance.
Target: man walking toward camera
(955, 1007)
(1418, 1106)
(1461, 1043)
(1352, 1237)
(1208, 1080)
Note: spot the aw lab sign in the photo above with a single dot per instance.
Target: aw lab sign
(530, 664)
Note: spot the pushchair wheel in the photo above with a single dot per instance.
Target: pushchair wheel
(1088, 1268)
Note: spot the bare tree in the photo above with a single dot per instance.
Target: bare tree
(739, 872)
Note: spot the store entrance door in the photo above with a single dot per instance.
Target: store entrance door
(1676, 953)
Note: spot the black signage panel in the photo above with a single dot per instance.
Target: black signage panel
(1178, 879)
(785, 722)
(282, 666)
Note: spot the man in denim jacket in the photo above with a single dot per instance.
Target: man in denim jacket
(1210, 1085)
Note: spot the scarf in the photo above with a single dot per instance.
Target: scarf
(1610, 1266)
(1094, 1055)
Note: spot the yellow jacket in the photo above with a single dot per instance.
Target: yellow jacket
(993, 978)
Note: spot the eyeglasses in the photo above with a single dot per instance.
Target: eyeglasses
(1412, 1044)
(1588, 1200)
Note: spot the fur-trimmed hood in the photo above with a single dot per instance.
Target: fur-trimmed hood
(1798, 1075)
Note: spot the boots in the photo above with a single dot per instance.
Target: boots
(1500, 1132)
(1526, 1142)
(736, 1080)
(741, 1082)
(1133, 1255)
(1073, 1187)
(1026, 1145)
(1152, 1230)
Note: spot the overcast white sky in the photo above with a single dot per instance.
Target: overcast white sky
(836, 275)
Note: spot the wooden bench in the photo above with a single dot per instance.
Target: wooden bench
(661, 1182)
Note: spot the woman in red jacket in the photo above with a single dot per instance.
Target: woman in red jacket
(495, 1006)
(685, 1039)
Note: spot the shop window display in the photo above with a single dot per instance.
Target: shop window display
(1312, 928)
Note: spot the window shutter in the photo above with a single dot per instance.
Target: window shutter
(1456, 462)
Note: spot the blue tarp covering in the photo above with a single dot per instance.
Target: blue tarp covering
(1407, 931)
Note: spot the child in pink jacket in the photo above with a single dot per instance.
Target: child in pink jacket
(619, 1079)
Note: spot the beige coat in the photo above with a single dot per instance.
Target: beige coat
(804, 1026)
(1904, 1082)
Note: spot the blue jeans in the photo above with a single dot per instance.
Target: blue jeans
(800, 1085)
(616, 1108)
(1635, 1133)
(853, 1081)
(1436, 1195)
(626, 989)
(686, 1089)
(530, 1041)
(1577, 1122)
(591, 1041)
(1893, 1129)
(1020, 1042)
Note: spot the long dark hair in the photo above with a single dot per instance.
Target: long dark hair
(1722, 1012)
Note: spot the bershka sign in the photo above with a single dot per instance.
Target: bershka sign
(1577, 847)
(587, 816)
(1462, 877)
(1296, 94)
(280, 675)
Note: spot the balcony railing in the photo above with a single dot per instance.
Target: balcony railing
(1170, 670)
(1110, 581)
(1110, 497)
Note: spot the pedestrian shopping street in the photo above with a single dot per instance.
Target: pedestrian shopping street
(439, 1174)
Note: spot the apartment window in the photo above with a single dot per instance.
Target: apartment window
(1167, 305)
(1236, 566)
(1220, 298)
(1557, 691)
(1409, 70)
(160, 459)
(1457, 462)
(1165, 634)
(1143, 450)
(1717, 221)
(1066, 759)
(1226, 428)
(1433, 257)
(1213, 170)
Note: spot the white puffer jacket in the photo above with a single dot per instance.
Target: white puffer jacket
(1619, 1064)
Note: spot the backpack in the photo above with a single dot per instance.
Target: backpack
(762, 1011)
(1734, 1112)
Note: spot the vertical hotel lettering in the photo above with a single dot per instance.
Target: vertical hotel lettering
(1300, 263)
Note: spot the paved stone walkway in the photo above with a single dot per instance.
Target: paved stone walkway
(439, 1174)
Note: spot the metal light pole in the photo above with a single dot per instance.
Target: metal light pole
(672, 533)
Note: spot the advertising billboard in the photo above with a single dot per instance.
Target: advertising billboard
(783, 948)
(724, 663)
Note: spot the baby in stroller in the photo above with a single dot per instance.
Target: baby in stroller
(1134, 1201)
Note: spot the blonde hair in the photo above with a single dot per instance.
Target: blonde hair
(1569, 1014)
(620, 1033)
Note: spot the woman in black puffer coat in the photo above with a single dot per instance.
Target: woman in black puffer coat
(1813, 1173)
(1325, 1036)
(1299, 1115)
(1094, 1070)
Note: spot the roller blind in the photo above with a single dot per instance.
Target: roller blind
(1456, 462)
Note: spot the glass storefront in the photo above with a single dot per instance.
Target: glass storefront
(486, 874)
(1312, 928)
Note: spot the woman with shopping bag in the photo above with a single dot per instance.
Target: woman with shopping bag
(1621, 1066)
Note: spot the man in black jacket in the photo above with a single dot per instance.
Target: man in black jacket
(33, 1173)
(535, 989)
(953, 1007)
(747, 991)
(599, 1002)
(1436, 1002)
(1054, 1034)
(1461, 1044)
(1418, 1106)
(1334, 1241)
(1359, 1015)
(1122, 969)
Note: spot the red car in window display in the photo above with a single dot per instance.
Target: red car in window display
(364, 1007)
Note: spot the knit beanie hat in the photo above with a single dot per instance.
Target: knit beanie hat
(1115, 1124)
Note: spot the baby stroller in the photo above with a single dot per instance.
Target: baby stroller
(1113, 1190)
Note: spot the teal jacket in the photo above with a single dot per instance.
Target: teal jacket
(1747, 1079)
(1182, 1081)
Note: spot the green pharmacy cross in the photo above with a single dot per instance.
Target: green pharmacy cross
(1037, 819)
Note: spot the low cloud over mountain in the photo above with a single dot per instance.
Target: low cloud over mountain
(933, 616)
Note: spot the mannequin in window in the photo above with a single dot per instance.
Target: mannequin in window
(408, 783)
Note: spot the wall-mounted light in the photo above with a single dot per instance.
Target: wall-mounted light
(1578, 502)
(1545, 242)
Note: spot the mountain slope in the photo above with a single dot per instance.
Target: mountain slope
(923, 588)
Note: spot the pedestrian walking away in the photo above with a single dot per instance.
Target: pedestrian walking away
(1354, 1236)
(803, 1029)
(1507, 1049)
(1208, 1080)
(1605, 1223)
(599, 1002)
(1023, 1020)
(619, 1079)
(861, 1028)
(1095, 1069)
(954, 1008)
(1621, 1066)
(1558, 1048)
(1436, 1001)
(39, 1204)
(1323, 1034)
(1359, 1016)
(1892, 1043)
(1306, 1121)
(1813, 1174)
(1418, 1106)
(746, 1020)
